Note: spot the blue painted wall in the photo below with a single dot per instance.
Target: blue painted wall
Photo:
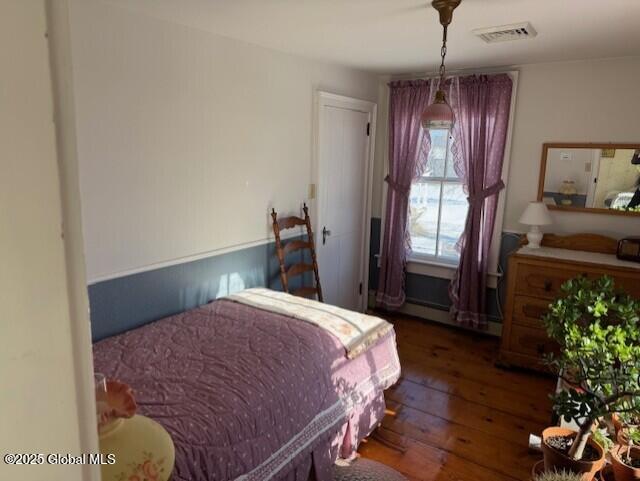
(578, 200)
(434, 291)
(127, 302)
(124, 303)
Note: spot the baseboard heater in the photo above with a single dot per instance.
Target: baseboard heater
(414, 307)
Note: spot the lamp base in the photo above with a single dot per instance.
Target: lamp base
(534, 236)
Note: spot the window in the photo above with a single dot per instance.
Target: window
(437, 205)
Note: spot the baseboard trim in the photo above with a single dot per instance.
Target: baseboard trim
(437, 315)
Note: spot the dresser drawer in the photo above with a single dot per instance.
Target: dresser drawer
(542, 281)
(630, 285)
(530, 341)
(528, 311)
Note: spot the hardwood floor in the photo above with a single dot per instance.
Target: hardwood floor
(458, 417)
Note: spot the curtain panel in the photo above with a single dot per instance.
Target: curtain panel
(408, 152)
(481, 105)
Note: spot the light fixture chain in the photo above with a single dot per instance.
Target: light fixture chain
(443, 54)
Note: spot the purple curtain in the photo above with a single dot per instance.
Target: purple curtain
(408, 148)
(481, 105)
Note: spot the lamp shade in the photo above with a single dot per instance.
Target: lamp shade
(438, 115)
(536, 213)
(568, 187)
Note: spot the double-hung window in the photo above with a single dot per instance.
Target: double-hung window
(437, 205)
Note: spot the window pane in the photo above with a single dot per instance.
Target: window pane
(437, 153)
(454, 215)
(451, 172)
(423, 216)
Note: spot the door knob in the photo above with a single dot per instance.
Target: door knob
(325, 232)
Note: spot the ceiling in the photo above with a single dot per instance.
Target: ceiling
(401, 36)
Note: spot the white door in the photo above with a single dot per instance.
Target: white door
(344, 145)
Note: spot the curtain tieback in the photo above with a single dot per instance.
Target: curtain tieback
(478, 199)
(400, 189)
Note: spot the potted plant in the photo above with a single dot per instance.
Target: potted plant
(626, 460)
(599, 359)
(556, 476)
(628, 435)
(624, 422)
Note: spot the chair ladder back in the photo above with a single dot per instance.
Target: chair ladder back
(312, 248)
(280, 252)
(296, 245)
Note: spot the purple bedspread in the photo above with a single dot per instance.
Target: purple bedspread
(251, 395)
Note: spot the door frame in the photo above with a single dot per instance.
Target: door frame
(57, 12)
(328, 99)
(593, 177)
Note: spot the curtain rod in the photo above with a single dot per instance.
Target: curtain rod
(450, 73)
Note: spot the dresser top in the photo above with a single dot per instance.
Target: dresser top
(577, 256)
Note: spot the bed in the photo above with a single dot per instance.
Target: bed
(249, 394)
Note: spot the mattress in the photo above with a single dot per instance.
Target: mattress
(251, 395)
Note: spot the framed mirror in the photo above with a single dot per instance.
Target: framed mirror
(597, 178)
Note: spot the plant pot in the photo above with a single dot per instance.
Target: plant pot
(621, 471)
(555, 460)
(537, 469)
(606, 473)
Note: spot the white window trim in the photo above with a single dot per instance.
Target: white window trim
(420, 264)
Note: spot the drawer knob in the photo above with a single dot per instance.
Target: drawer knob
(548, 285)
(540, 348)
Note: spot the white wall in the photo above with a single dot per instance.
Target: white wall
(39, 401)
(185, 138)
(581, 101)
(584, 101)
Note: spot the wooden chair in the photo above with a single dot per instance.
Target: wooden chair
(293, 246)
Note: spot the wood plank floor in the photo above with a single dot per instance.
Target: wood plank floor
(458, 416)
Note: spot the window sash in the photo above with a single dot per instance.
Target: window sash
(437, 257)
(442, 180)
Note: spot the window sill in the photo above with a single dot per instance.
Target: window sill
(442, 270)
(424, 267)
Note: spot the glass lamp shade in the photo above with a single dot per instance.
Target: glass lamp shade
(438, 115)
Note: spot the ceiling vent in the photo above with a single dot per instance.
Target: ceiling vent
(504, 33)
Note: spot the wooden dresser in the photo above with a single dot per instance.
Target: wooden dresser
(534, 280)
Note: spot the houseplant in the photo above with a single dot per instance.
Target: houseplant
(623, 422)
(626, 463)
(599, 359)
(556, 476)
(628, 435)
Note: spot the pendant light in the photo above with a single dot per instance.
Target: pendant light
(439, 114)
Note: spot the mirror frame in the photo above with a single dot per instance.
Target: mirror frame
(579, 145)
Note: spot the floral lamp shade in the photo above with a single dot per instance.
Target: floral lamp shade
(134, 447)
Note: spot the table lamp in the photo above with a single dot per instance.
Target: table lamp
(535, 215)
(568, 190)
